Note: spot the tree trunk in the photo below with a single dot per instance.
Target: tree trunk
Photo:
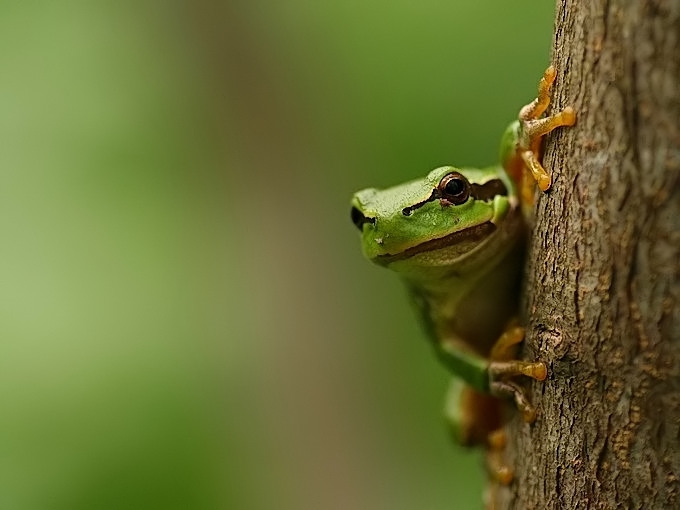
(603, 291)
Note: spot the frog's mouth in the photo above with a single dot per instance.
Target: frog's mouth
(473, 235)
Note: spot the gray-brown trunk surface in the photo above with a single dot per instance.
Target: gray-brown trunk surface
(603, 291)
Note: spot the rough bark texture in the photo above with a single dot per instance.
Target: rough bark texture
(603, 293)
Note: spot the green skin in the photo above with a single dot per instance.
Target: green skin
(461, 262)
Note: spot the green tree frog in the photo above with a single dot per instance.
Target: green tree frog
(457, 239)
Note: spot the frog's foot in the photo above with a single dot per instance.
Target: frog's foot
(498, 469)
(539, 105)
(505, 347)
(510, 389)
(533, 129)
(501, 386)
(503, 367)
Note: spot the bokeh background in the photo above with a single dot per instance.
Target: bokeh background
(186, 320)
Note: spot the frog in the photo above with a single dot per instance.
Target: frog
(457, 238)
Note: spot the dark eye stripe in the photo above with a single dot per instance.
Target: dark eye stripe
(406, 211)
(488, 190)
(485, 191)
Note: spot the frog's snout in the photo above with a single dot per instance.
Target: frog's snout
(359, 218)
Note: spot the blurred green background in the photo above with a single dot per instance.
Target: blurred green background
(187, 321)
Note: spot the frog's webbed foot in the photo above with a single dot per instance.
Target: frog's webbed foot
(533, 128)
(503, 368)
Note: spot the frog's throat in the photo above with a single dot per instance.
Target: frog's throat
(476, 233)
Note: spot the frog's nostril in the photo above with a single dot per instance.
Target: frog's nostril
(359, 219)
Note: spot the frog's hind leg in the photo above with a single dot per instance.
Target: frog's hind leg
(499, 470)
(475, 419)
(471, 415)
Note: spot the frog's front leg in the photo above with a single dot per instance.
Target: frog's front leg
(533, 128)
(502, 368)
(494, 375)
(521, 147)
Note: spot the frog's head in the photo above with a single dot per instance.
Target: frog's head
(433, 221)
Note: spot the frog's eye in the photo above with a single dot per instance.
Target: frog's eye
(359, 219)
(454, 188)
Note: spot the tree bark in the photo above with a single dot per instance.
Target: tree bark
(603, 285)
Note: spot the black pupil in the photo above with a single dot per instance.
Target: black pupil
(454, 187)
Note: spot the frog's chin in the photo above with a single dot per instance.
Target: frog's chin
(443, 250)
